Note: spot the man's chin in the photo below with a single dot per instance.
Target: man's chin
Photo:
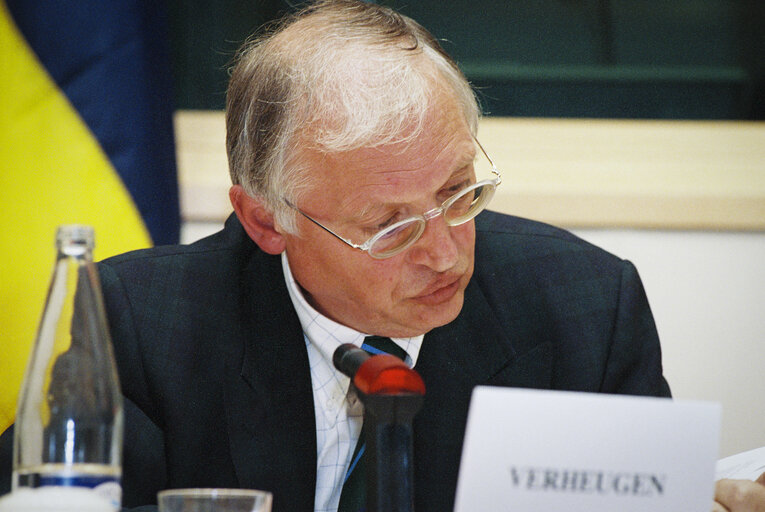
(424, 318)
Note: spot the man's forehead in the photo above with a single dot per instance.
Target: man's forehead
(370, 181)
(399, 168)
(402, 159)
(386, 166)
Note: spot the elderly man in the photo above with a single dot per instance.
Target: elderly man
(357, 179)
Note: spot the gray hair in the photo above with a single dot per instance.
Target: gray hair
(337, 76)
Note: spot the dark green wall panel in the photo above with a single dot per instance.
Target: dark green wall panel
(686, 59)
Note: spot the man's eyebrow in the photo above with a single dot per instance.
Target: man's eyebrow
(372, 211)
(464, 160)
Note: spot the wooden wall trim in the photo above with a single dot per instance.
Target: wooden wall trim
(569, 172)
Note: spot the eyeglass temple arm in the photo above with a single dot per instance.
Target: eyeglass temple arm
(493, 165)
(355, 246)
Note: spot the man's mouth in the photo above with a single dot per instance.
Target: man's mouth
(441, 291)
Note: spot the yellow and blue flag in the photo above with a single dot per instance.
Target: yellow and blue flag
(85, 137)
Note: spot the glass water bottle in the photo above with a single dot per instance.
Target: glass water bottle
(69, 421)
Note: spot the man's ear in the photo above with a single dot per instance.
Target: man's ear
(257, 220)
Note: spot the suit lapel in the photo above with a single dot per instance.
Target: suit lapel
(268, 393)
(472, 350)
(475, 349)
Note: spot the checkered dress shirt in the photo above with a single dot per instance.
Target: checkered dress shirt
(339, 413)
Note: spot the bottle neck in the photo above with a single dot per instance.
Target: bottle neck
(75, 251)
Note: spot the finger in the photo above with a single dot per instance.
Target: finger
(740, 495)
(716, 507)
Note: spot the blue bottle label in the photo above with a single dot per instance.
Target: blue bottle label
(92, 481)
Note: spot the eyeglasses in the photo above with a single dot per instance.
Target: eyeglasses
(458, 209)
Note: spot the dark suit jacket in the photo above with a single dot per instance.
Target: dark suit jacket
(214, 370)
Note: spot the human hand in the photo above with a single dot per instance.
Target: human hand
(740, 495)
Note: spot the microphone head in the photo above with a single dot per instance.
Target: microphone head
(382, 374)
(348, 358)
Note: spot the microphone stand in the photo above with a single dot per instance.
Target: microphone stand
(392, 393)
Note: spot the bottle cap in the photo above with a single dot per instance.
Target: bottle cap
(75, 238)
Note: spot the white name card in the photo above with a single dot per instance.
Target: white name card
(548, 451)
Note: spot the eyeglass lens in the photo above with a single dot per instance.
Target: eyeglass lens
(457, 210)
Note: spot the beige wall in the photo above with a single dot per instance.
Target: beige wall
(707, 293)
(575, 173)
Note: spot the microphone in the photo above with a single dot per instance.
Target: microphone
(382, 374)
(392, 393)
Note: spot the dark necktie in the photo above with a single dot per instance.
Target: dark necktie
(354, 494)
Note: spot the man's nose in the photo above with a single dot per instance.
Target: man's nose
(437, 247)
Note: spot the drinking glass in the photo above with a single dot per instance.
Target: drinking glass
(214, 500)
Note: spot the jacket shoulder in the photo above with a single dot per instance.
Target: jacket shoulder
(231, 239)
(510, 237)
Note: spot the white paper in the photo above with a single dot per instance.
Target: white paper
(746, 465)
(534, 450)
(55, 499)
